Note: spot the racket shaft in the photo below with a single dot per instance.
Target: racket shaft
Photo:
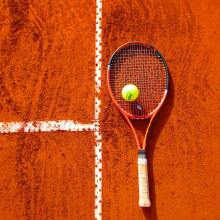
(144, 198)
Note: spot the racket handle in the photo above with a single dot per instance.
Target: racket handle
(144, 198)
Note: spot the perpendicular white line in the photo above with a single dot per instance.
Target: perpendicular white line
(45, 126)
(98, 137)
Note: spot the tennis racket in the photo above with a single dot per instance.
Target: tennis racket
(142, 65)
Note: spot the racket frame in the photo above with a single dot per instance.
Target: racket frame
(167, 80)
(127, 115)
(144, 198)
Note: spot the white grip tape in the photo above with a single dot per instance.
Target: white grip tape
(144, 198)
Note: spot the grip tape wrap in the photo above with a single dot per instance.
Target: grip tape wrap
(144, 198)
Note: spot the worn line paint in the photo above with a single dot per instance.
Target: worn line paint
(44, 126)
(98, 162)
(98, 138)
(98, 46)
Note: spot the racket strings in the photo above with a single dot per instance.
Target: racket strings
(142, 66)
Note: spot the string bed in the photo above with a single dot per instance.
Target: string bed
(144, 67)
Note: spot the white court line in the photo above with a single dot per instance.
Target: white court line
(98, 147)
(98, 163)
(44, 126)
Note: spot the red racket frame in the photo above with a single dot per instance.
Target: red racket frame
(128, 116)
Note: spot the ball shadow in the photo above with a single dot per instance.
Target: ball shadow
(154, 132)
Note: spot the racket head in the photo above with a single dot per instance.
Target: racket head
(144, 66)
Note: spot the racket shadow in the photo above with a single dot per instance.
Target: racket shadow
(154, 132)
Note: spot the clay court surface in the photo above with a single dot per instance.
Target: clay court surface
(48, 72)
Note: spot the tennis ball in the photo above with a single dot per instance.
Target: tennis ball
(130, 92)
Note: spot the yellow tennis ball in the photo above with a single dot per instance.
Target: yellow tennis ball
(130, 92)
